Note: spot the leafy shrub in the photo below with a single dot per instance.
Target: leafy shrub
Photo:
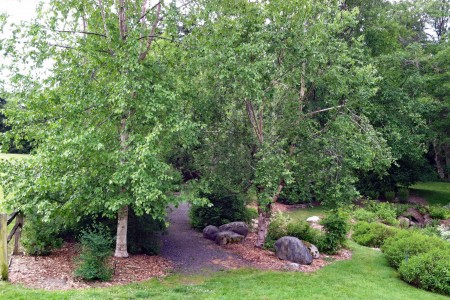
(277, 229)
(303, 231)
(96, 248)
(226, 207)
(430, 271)
(406, 244)
(336, 228)
(39, 237)
(377, 211)
(403, 195)
(143, 234)
(389, 196)
(438, 212)
(364, 215)
(373, 234)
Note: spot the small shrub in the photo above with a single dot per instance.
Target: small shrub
(377, 211)
(227, 207)
(403, 195)
(364, 215)
(373, 234)
(429, 271)
(389, 196)
(96, 248)
(39, 237)
(438, 212)
(303, 231)
(277, 229)
(406, 244)
(336, 228)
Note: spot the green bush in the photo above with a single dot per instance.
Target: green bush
(429, 271)
(406, 244)
(403, 195)
(364, 215)
(385, 212)
(96, 248)
(39, 237)
(439, 212)
(336, 228)
(389, 196)
(303, 231)
(373, 234)
(226, 207)
(278, 228)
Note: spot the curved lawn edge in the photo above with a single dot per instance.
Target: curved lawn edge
(366, 276)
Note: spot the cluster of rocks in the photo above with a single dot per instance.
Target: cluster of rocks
(286, 248)
(231, 233)
(413, 217)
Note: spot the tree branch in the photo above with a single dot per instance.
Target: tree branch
(324, 109)
(81, 32)
(152, 33)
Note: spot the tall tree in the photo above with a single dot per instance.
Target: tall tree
(105, 115)
(294, 76)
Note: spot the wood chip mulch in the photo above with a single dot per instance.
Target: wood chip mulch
(266, 260)
(55, 272)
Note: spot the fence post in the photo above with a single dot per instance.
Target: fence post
(18, 233)
(3, 246)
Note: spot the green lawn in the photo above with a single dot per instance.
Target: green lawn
(433, 192)
(303, 214)
(366, 276)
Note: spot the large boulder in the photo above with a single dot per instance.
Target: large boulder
(237, 227)
(415, 216)
(228, 237)
(210, 232)
(312, 249)
(292, 249)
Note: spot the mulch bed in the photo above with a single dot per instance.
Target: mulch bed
(266, 260)
(54, 272)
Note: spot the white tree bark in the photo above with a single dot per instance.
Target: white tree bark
(122, 228)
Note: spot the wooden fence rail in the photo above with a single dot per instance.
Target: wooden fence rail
(5, 238)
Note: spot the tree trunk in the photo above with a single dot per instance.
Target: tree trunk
(263, 224)
(447, 159)
(122, 227)
(438, 160)
(122, 215)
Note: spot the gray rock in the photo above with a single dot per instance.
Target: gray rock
(210, 232)
(237, 227)
(312, 249)
(403, 222)
(292, 249)
(228, 237)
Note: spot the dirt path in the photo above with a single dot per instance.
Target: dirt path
(190, 252)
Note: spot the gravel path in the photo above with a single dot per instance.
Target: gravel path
(190, 252)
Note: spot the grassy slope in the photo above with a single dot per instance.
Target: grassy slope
(366, 276)
(433, 192)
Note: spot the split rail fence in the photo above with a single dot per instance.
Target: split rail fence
(6, 237)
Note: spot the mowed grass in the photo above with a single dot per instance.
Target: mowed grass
(366, 276)
(436, 193)
(304, 213)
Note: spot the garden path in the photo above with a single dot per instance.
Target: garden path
(190, 252)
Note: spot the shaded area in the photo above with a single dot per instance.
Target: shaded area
(190, 252)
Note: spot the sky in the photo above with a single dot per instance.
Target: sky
(19, 10)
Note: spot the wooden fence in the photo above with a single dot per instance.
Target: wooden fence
(5, 238)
